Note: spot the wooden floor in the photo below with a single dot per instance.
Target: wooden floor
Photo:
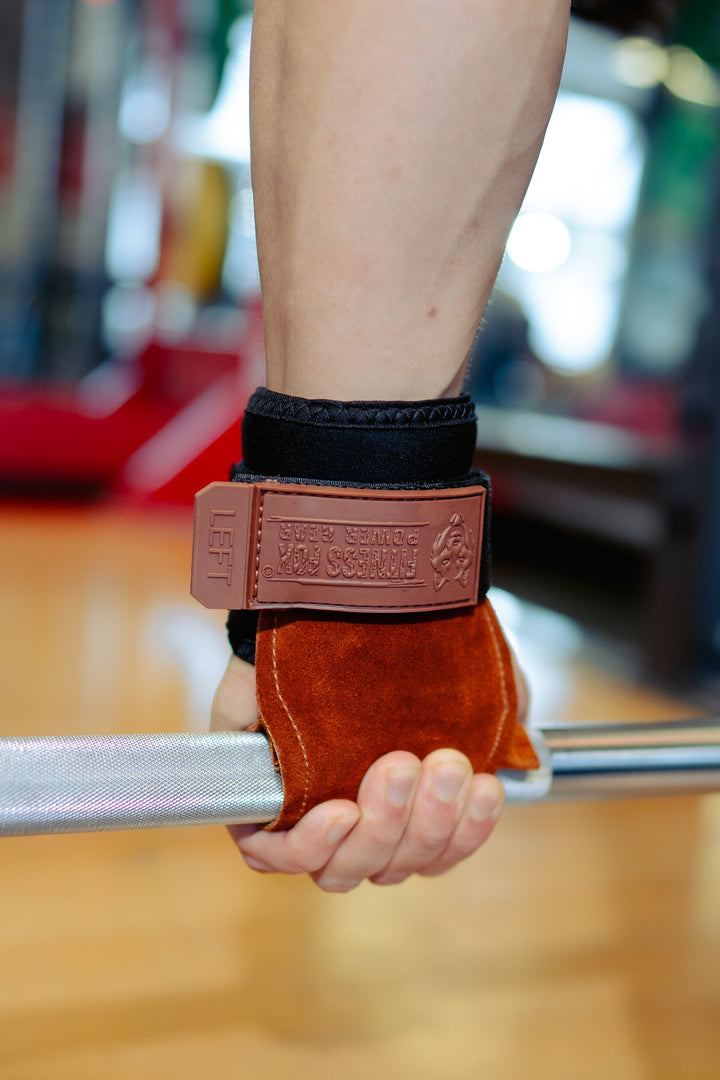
(582, 944)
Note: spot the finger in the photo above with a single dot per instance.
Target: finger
(438, 805)
(234, 706)
(305, 848)
(477, 822)
(385, 799)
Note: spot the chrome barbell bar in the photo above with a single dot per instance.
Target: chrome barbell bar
(99, 783)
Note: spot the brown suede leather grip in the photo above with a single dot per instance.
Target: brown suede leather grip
(277, 545)
(412, 663)
(336, 692)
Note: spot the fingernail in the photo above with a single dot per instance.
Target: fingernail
(400, 782)
(340, 827)
(255, 864)
(486, 803)
(448, 779)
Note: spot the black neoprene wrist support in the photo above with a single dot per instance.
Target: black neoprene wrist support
(408, 445)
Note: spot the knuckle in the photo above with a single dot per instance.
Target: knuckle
(430, 841)
(384, 831)
(293, 864)
(296, 867)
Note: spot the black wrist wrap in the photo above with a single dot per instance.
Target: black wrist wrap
(407, 445)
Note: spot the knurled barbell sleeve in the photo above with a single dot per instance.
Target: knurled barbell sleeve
(109, 782)
(102, 782)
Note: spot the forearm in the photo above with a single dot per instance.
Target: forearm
(392, 146)
(392, 141)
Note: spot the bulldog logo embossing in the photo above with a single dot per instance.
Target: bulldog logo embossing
(452, 553)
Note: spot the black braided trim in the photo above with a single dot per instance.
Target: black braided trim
(373, 414)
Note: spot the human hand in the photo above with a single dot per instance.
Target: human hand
(411, 817)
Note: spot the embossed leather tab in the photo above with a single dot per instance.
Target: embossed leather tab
(275, 545)
(222, 528)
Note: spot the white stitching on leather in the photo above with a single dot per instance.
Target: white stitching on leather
(289, 715)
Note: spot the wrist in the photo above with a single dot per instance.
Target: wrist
(380, 443)
(398, 445)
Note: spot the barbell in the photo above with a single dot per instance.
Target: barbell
(96, 783)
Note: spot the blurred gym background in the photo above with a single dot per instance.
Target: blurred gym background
(130, 319)
(583, 942)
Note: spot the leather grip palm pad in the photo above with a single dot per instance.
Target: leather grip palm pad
(337, 691)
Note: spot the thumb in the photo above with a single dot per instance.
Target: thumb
(234, 707)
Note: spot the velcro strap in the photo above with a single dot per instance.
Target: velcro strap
(281, 545)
